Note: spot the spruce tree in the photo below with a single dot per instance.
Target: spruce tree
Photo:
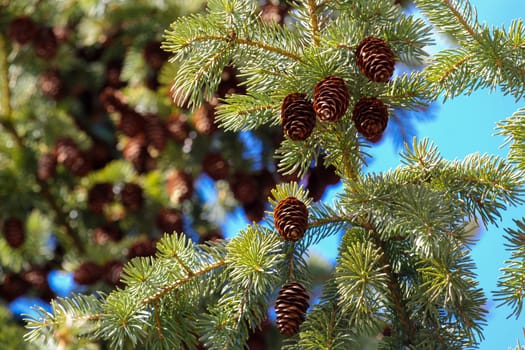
(315, 83)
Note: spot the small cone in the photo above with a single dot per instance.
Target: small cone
(154, 55)
(375, 59)
(370, 116)
(106, 233)
(46, 167)
(331, 99)
(13, 286)
(297, 116)
(113, 71)
(87, 273)
(273, 13)
(112, 270)
(216, 166)
(136, 151)
(99, 195)
(45, 43)
(178, 127)
(244, 187)
(254, 211)
(291, 218)
(112, 100)
(14, 232)
(290, 308)
(179, 185)
(22, 30)
(142, 248)
(131, 123)
(204, 119)
(132, 196)
(170, 220)
(51, 84)
(155, 131)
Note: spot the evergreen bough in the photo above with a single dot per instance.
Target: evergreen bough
(403, 262)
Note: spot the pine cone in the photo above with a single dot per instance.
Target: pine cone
(155, 131)
(178, 127)
(254, 211)
(216, 166)
(244, 187)
(72, 157)
(50, 83)
(273, 13)
(132, 196)
(131, 122)
(112, 270)
(370, 116)
(136, 151)
(297, 116)
(170, 220)
(229, 83)
(13, 286)
(179, 185)
(290, 308)
(99, 155)
(375, 59)
(46, 167)
(14, 232)
(331, 98)
(45, 43)
(87, 273)
(106, 233)
(204, 119)
(113, 70)
(290, 218)
(154, 55)
(142, 248)
(99, 195)
(22, 30)
(112, 100)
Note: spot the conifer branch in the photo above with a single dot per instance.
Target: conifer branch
(166, 289)
(312, 11)
(460, 18)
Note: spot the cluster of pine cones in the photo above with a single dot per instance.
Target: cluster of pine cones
(331, 98)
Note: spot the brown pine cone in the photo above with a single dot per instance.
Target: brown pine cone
(45, 43)
(142, 248)
(22, 30)
(99, 155)
(290, 308)
(132, 196)
(155, 131)
(213, 235)
(87, 273)
(216, 166)
(112, 270)
(179, 185)
(14, 232)
(99, 195)
(113, 70)
(273, 13)
(244, 188)
(297, 116)
(131, 122)
(290, 218)
(113, 100)
(178, 127)
(331, 98)
(66, 151)
(170, 220)
(370, 116)
(136, 151)
(229, 83)
(106, 233)
(375, 59)
(316, 185)
(204, 119)
(46, 167)
(154, 56)
(51, 84)
(13, 286)
(254, 211)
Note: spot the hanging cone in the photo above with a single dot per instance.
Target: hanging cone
(22, 30)
(273, 13)
(155, 131)
(131, 122)
(132, 196)
(87, 273)
(136, 151)
(13, 286)
(106, 233)
(99, 155)
(290, 308)
(204, 119)
(254, 211)
(179, 185)
(375, 59)
(178, 127)
(331, 99)
(112, 100)
(14, 232)
(370, 116)
(297, 116)
(244, 187)
(154, 56)
(216, 166)
(170, 220)
(46, 166)
(290, 218)
(99, 195)
(45, 43)
(142, 248)
(111, 272)
(51, 84)
(113, 71)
